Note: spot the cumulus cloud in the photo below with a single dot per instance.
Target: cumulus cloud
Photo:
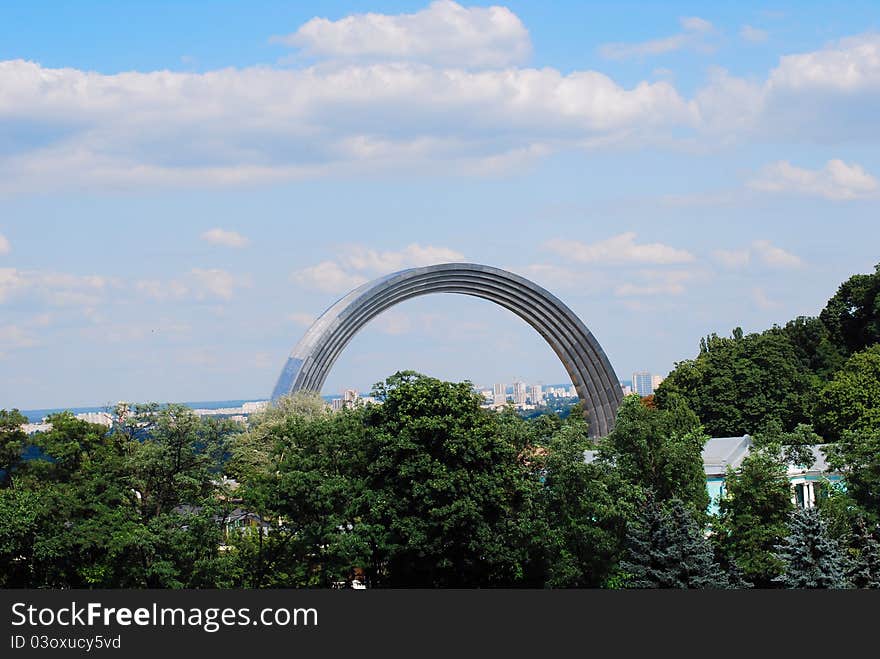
(270, 124)
(198, 284)
(761, 299)
(216, 283)
(850, 64)
(238, 126)
(837, 180)
(693, 36)
(225, 238)
(753, 34)
(55, 288)
(5, 247)
(620, 249)
(445, 33)
(363, 258)
(654, 283)
(358, 264)
(15, 337)
(761, 252)
(301, 319)
(161, 290)
(327, 277)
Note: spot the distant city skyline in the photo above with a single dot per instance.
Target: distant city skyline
(177, 211)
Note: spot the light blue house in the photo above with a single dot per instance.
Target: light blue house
(719, 453)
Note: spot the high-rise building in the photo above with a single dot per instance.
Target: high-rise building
(519, 393)
(643, 383)
(656, 380)
(499, 393)
(536, 394)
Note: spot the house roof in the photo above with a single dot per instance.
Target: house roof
(719, 453)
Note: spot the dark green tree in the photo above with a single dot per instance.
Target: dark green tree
(864, 556)
(12, 443)
(587, 506)
(851, 401)
(449, 501)
(813, 344)
(857, 457)
(667, 549)
(810, 557)
(659, 451)
(852, 316)
(741, 384)
(753, 517)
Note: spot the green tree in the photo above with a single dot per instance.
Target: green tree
(587, 506)
(852, 316)
(133, 507)
(12, 443)
(864, 550)
(667, 549)
(309, 486)
(659, 451)
(857, 457)
(814, 346)
(449, 501)
(810, 557)
(753, 516)
(851, 401)
(741, 384)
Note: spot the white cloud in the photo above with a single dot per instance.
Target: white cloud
(55, 288)
(445, 33)
(850, 64)
(359, 263)
(301, 319)
(837, 180)
(620, 249)
(241, 126)
(753, 34)
(693, 36)
(270, 124)
(363, 258)
(654, 283)
(15, 337)
(327, 277)
(162, 290)
(5, 247)
(736, 258)
(775, 257)
(216, 283)
(760, 251)
(394, 323)
(225, 238)
(761, 299)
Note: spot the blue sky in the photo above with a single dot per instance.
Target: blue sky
(183, 187)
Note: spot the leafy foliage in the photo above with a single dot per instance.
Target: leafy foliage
(851, 401)
(659, 451)
(852, 316)
(753, 516)
(742, 384)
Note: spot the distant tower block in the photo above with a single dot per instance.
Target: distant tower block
(588, 367)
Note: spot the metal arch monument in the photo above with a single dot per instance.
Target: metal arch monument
(591, 373)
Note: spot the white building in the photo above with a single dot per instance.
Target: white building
(499, 394)
(100, 418)
(519, 393)
(536, 394)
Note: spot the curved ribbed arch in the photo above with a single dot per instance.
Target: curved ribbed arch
(586, 363)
